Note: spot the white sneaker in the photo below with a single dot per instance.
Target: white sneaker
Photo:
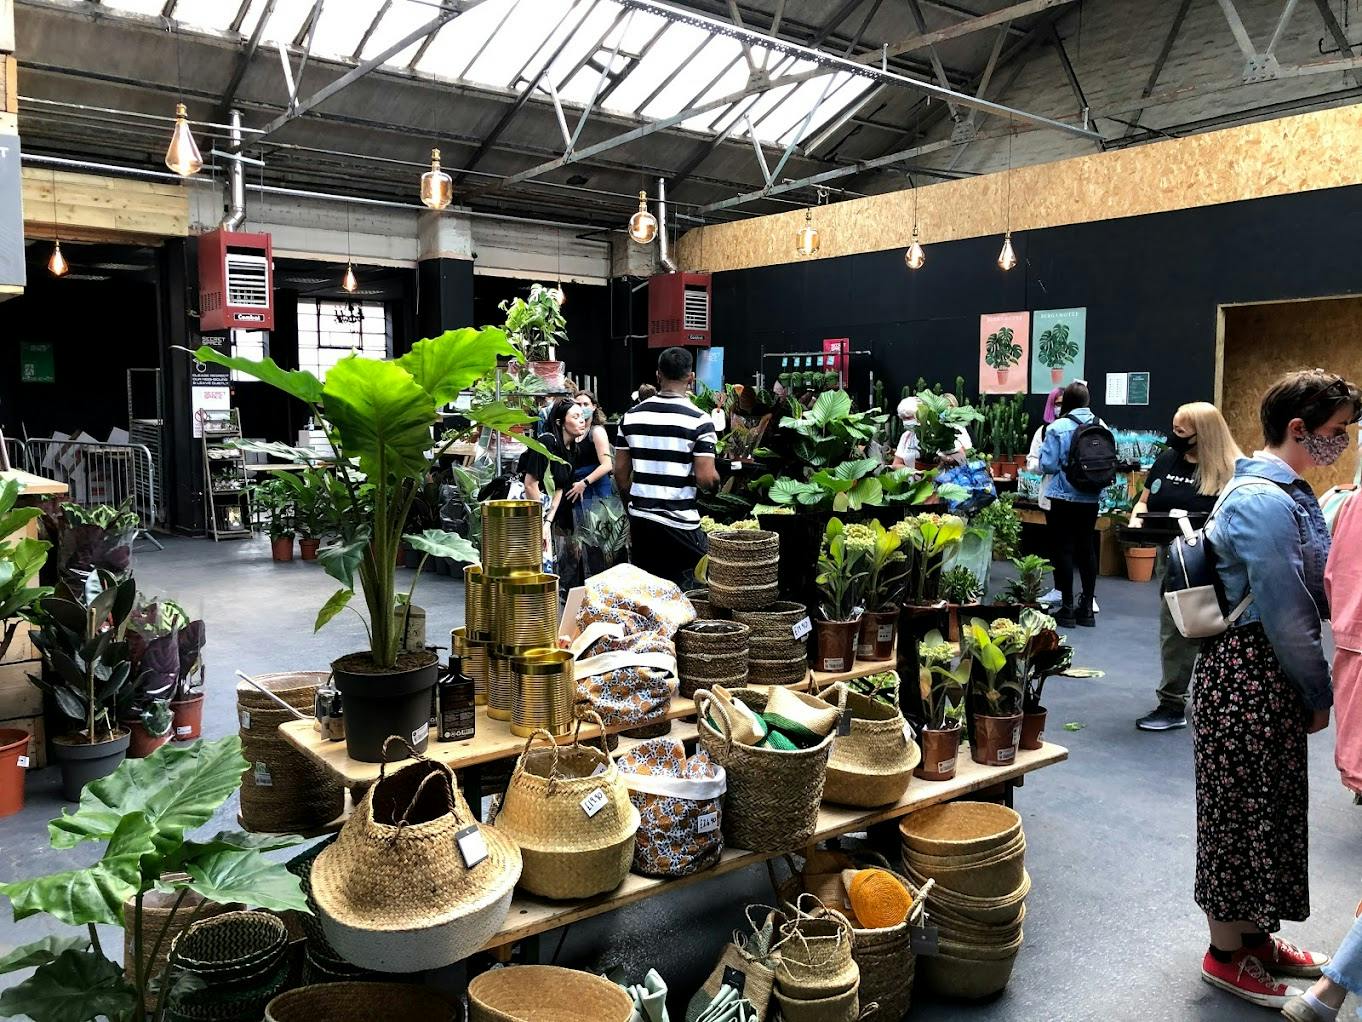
(1053, 598)
(1095, 608)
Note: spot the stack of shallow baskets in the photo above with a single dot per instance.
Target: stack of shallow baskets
(778, 652)
(975, 851)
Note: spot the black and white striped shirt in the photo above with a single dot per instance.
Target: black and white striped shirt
(664, 435)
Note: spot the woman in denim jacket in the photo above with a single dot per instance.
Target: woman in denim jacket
(1072, 515)
(1261, 687)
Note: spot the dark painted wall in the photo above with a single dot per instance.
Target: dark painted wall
(1151, 284)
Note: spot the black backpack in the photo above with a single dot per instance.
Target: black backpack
(1091, 467)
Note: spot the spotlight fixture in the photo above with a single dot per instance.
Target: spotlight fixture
(643, 225)
(56, 264)
(806, 238)
(437, 187)
(1007, 258)
(182, 155)
(349, 282)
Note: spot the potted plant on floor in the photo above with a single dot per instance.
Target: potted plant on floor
(150, 726)
(273, 502)
(536, 326)
(995, 690)
(887, 572)
(1002, 352)
(379, 414)
(942, 688)
(962, 592)
(310, 494)
(81, 635)
(143, 814)
(1140, 559)
(841, 577)
(1045, 653)
(95, 538)
(20, 561)
(167, 654)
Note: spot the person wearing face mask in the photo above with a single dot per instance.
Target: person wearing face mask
(1261, 687)
(1186, 478)
(592, 477)
(906, 454)
(564, 435)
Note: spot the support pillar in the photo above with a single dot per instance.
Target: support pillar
(12, 275)
(445, 273)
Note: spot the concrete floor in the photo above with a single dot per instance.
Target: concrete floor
(1111, 930)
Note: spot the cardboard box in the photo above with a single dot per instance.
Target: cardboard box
(21, 647)
(37, 740)
(19, 697)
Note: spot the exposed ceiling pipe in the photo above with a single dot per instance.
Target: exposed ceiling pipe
(663, 255)
(236, 180)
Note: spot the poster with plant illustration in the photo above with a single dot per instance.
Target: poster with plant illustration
(1058, 348)
(1004, 341)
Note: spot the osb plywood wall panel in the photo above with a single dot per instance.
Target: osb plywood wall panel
(1293, 154)
(93, 208)
(1264, 341)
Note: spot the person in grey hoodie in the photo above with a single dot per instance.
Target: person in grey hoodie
(1072, 515)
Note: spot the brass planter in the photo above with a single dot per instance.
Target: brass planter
(500, 686)
(477, 602)
(512, 537)
(474, 653)
(525, 611)
(544, 687)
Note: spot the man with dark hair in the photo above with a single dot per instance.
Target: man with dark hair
(664, 455)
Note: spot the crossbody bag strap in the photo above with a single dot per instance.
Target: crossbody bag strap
(1241, 482)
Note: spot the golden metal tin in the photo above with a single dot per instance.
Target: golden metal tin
(512, 536)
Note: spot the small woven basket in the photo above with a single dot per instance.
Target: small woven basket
(704, 609)
(996, 877)
(158, 911)
(362, 1002)
(987, 911)
(960, 828)
(232, 946)
(744, 569)
(546, 993)
(843, 1007)
(778, 657)
(777, 672)
(319, 967)
(965, 975)
(220, 1002)
(710, 653)
(815, 954)
(873, 764)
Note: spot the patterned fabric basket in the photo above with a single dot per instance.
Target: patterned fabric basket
(680, 805)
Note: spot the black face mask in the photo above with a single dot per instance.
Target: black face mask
(1181, 444)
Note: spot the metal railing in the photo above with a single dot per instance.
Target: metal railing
(100, 473)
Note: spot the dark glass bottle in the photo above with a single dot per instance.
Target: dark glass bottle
(454, 693)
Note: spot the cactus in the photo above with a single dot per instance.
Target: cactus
(960, 390)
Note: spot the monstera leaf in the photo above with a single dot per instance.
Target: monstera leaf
(77, 986)
(445, 365)
(382, 416)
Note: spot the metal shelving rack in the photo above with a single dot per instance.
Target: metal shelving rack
(225, 478)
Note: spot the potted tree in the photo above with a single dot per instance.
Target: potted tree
(887, 571)
(1002, 352)
(841, 577)
(995, 691)
(962, 592)
(1045, 653)
(1056, 351)
(273, 501)
(378, 415)
(81, 635)
(536, 326)
(942, 687)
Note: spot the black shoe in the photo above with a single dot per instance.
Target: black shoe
(1064, 617)
(1165, 718)
(1085, 617)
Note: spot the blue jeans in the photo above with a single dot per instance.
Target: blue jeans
(1346, 967)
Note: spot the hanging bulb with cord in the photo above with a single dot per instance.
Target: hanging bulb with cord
(437, 187)
(182, 155)
(56, 263)
(349, 282)
(1007, 258)
(643, 225)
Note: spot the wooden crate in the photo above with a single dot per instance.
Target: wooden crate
(37, 740)
(19, 697)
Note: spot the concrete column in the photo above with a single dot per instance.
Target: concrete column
(445, 272)
(12, 276)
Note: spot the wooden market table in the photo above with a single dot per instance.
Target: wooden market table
(34, 486)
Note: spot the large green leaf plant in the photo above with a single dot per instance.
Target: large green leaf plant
(932, 538)
(19, 563)
(143, 812)
(830, 433)
(994, 648)
(841, 573)
(378, 416)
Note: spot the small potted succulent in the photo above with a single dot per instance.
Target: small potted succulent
(1045, 654)
(887, 571)
(962, 592)
(995, 690)
(841, 579)
(942, 687)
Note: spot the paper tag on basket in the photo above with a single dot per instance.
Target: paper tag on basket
(23, 762)
(844, 723)
(263, 778)
(600, 769)
(472, 845)
(420, 734)
(802, 627)
(184, 730)
(243, 717)
(735, 979)
(595, 802)
(735, 465)
(908, 735)
(707, 823)
(926, 940)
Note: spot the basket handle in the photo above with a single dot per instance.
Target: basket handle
(701, 711)
(383, 762)
(599, 721)
(441, 775)
(539, 732)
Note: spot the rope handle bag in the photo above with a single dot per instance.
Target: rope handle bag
(553, 779)
(703, 703)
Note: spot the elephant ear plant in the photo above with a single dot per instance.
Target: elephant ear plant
(142, 813)
(378, 416)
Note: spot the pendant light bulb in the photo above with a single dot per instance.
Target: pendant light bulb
(806, 238)
(559, 295)
(1007, 258)
(349, 282)
(915, 257)
(437, 187)
(56, 264)
(182, 156)
(643, 225)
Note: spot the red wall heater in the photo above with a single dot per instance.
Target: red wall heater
(679, 310)
(236, 281)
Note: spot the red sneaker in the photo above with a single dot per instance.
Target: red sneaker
(1245, 977)
(1285, 959)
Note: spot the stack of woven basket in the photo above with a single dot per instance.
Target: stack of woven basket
(975, 852)
(778, 651)
(239, 961)
(817, 980)
(744, 569)
(709, 653)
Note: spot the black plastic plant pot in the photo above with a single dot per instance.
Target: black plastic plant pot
(82, 762)
(801, 536)
(379, 703)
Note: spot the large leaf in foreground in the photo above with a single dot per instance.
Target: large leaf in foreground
(298, 382)
(77, 987)
(40, 952)
(382, 415)
(443, 366)
(245, 877)
(342, 560)
(339, 600)
(95, 894)
(178, 787)
(439, 543)
(499, 416)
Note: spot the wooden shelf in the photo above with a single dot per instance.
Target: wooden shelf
(530, 915)
(34, 486)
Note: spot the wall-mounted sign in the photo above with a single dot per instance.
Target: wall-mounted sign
(1004, 352)
(11, 215)
(210, 386)
(1058, 347)
(36, 362)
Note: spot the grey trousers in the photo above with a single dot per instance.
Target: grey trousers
(1176, 652)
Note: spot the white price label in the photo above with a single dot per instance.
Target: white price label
(263, 778)
(885, 633)
(243, 717)
(472, 845)
(1016, 736)
(1006, 755)
(834, 664)
(908, 735)
(23, 762)
(600, 769)
(1040, 736)
(945, 766)
(184, 731)
(802, 627)
(420, 734)
(735, 465)
(707, 823)
(595, 802)
(865, 650)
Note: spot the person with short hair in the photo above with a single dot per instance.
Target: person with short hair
(663, 457)
(1072, 515)
(906, 454)
(1261, 687)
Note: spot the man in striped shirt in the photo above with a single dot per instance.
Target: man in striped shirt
(664, 454)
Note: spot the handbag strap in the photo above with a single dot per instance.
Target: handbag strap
(616, 660)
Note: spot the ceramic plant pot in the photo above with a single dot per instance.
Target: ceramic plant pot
(1033, 730)
(996, 739)
(281, 548)
(1140, 562)
(836, 645)
(876, 641)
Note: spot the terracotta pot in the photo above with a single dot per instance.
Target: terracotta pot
(1002, 377)
(308, 546)
(1057, 376)
(188, 715)
(142, 744)
(281, 548)
(13, 745)
(939, 752)
(995, 739)
(959, 612)
(550, 372)
(1140, 562)
(876, 641)
(836, 645)
(1033, 730)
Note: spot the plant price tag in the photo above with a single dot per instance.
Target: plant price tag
(844, 723)
(420, 734)
(472, 845)
(945, 766)
(802, 627)
(1006, 755)
(263, 778)
(595, 802)
(885, 633)
(708, 823)
(243, 717)
(184, 731)
(834, 664)
(736, 466)
(926, 940)
(23, 762)
(600, 769)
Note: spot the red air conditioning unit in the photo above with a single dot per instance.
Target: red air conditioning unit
(679, 310)
(236, 281)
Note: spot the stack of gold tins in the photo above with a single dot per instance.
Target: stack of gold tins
(519, 600)
(473, 641)
(544, 687)
(475, 663)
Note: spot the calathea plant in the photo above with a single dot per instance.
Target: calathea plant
(830, 433)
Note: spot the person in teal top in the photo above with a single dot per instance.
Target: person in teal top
(1072, 515)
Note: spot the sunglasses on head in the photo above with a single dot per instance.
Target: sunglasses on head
(1336, 389)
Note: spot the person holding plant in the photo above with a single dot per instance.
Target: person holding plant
(1261, 687)
(563, 434)
(1186, 479)
(1072, 515)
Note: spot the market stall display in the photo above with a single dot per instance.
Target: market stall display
(873, 753)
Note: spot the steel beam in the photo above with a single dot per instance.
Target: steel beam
(1168, 41)
(373, 27)
(978, 24)
(247, 55)
(915, 9)
(1336, 30)
(1288, 8)
(1238, 30)
(1072, 76)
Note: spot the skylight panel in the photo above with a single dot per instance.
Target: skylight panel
(583, 41)
(138, 6)
(456, 45)
(517, 39)
(212, 14)
(402, 18)
(288, 17)
(696, 75)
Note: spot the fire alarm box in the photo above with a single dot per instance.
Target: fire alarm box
(678, 310)
(236, 281)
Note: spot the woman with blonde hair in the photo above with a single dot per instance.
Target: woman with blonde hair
(1186, 478)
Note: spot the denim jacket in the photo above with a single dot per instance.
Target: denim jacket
(1054, 455)
(1272, 541)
